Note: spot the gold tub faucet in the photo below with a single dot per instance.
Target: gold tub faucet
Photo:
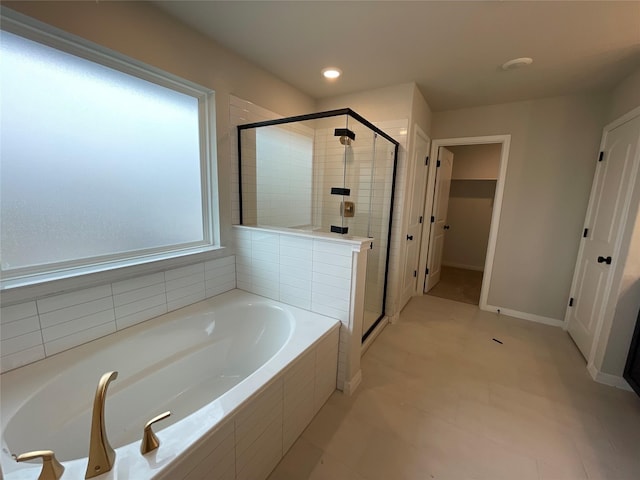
(101, 455)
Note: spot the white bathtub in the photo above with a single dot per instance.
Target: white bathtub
(210, 363)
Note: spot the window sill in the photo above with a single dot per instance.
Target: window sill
(28, 288)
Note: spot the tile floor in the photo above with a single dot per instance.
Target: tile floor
(459, 284)
(441, 400)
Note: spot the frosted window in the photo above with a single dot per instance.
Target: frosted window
(95, 163)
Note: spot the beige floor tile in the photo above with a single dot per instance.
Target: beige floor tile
(339, 434)
(554, 471)
(387, 457)
(441, 400)
(305, 461)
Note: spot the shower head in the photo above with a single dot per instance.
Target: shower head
(346, 135)
(344, 140)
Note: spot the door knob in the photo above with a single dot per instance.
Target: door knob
(409, 237)
(606, 260)
(447, 227)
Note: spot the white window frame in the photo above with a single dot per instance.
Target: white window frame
(148, 260)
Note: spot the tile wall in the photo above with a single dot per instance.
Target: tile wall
(311, 273)
(326, 146)
(37, 329)
(241, 112)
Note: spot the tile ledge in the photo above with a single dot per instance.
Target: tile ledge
(331, 237)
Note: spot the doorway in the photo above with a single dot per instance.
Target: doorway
(463, 203)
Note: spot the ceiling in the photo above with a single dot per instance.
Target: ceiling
(452, 50)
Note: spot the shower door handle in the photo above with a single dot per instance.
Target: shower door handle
(409, 237)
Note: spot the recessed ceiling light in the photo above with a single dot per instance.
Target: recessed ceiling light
(517, 63)
(331, 73)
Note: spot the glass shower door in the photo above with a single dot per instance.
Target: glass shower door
(360, 177)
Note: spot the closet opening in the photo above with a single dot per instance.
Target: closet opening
(463, 202)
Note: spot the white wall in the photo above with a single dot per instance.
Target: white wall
(473, 187)
(554, 146)
(469, 216)
(625, 97)
(477, 162)
(388, 103)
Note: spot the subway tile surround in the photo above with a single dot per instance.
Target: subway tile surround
(33, 330)
(310, 272)
(242, 111)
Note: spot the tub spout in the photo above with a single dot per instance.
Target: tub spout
(101, 455)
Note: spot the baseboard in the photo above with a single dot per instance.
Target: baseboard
(372, 336)
(523, 315)
(475, 268)
(349, 387)
(608, 379)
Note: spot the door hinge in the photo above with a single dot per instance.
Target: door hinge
(427, 271)
(585, 233)
(415, 273)
(426, 160)
(601, 156)
(571, 302)
(371, 246)
(433, 219)
(438, 164)
(420, 220)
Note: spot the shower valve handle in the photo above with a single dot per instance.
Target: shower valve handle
(409, 237)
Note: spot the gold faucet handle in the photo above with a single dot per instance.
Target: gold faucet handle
(52, 469)
(149, 440)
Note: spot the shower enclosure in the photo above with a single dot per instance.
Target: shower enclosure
(328, 172)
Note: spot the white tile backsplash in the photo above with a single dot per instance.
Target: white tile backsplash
(74, 312)
(23, 357)
(30, 331)
(21, 342)
(331, 270)
(310, 273)
(18, 312)
(20, 327)
(184, 286)
(78, 297)
(77, 325)
(78, 338)
(135, 284)
(138, 317)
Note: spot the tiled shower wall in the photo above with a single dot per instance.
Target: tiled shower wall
(310, 273)
(241, 112)
(329, 147)
(37, 329)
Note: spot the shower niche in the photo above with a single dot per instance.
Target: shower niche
(330, 172)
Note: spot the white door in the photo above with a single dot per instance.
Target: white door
(440, 207)
(413, 236)
(594, 267)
